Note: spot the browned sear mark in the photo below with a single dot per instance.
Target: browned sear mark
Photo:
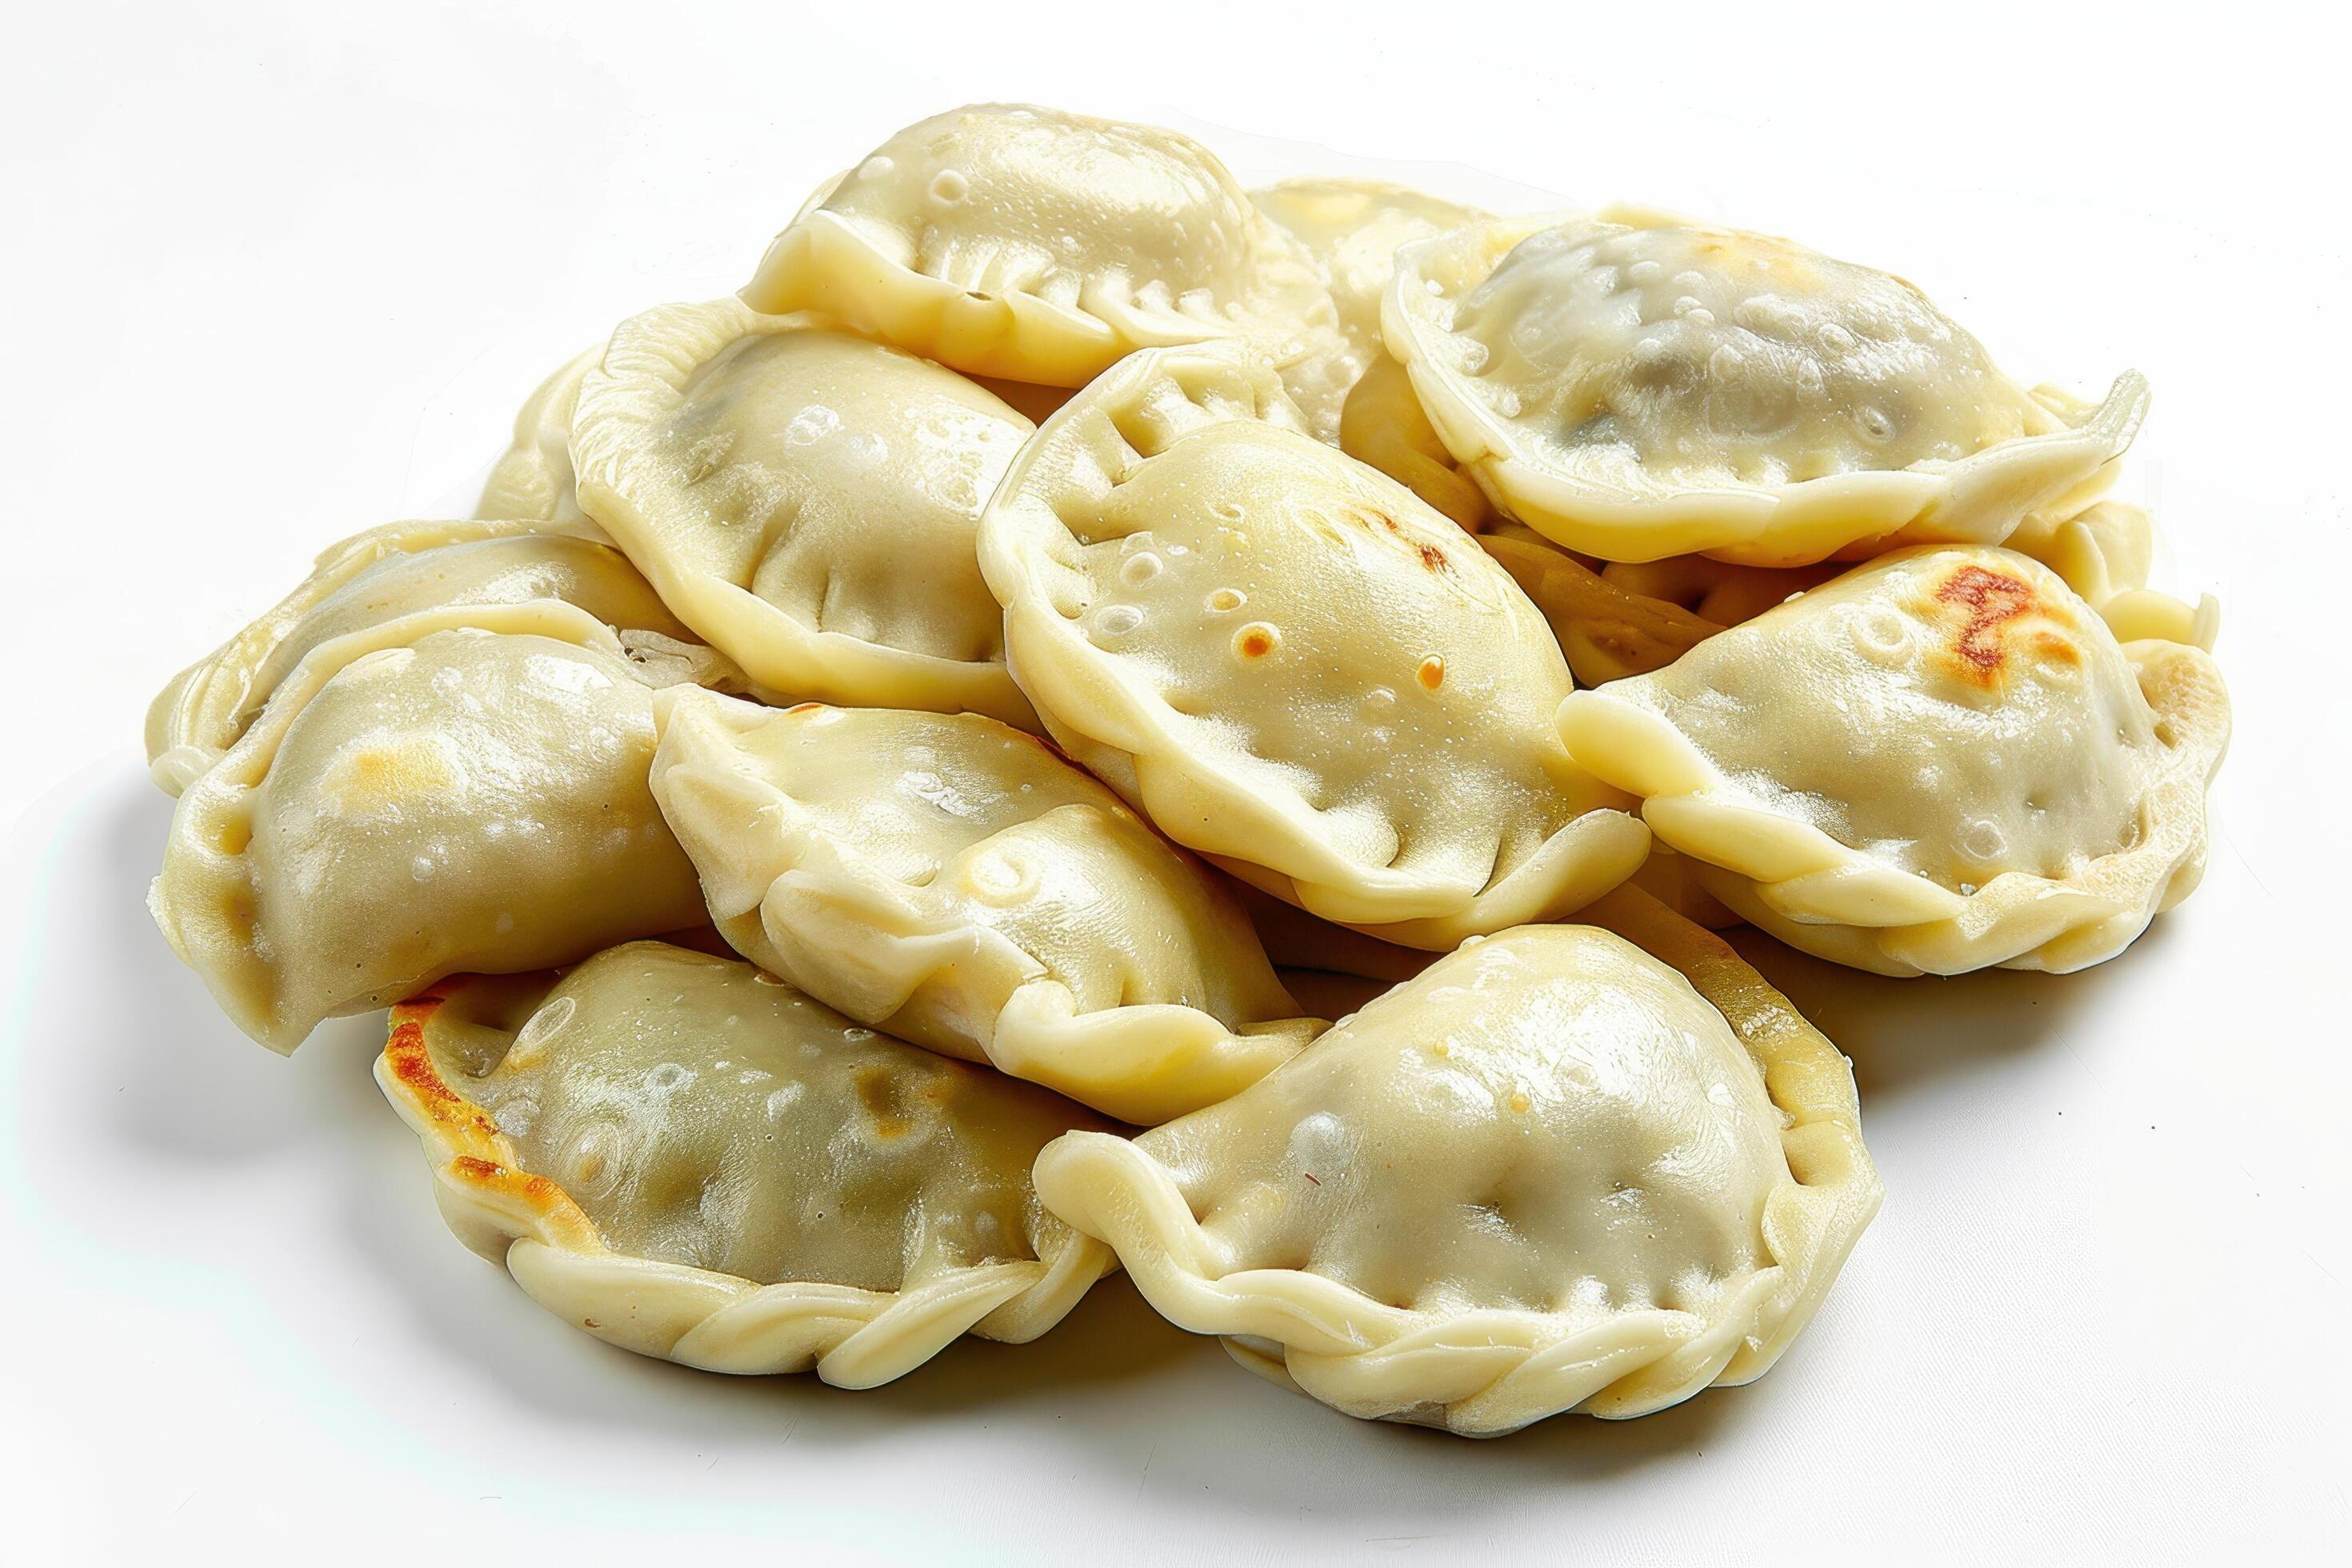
(1432, 558)
(879, 1091)
(1992, 599)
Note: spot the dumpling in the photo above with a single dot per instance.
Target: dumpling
(371, 580)
(806, 500)
(2105, 553)
(1381, 423)
(532, 478)
(954, 882)
(1352, 228)
(1605, 631)
(1716, 590)
(455, 790)
(1288, 663)
(1940, 762)
(1562, 1169)
(1634, 385)
(691, 1160)
(1016, 241)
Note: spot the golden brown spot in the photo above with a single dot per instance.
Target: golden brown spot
(1519, 1100)
(1991, 600)
(878, 1090)
(1432, 557)
(1256, 640)
(2055, 648)
(378, 778)
(1431, 673)
(478, 1170)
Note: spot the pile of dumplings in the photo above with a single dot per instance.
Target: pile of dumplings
(863, 833)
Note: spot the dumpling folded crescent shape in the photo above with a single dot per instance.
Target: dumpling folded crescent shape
(805, 498)
(1635, 386)
(1940, 762)
(1290, 664)
(1565, 1169)
(455, 790)
(955, 882)
(371, 580)
(691, 1160)
(1014, 241)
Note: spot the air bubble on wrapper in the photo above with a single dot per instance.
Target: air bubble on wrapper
(1117, 620)
(1983, 841)
(1320, 1143)
(531, 1042)
(811, 424)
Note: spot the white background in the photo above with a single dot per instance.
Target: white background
(273, 275)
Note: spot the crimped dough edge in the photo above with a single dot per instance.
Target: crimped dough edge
(850, 1337)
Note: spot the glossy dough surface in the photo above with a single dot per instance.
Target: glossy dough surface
(371, 580)
(1288, 663)
(1636, 387)
(955, 882)
(1016, 241)
(1940, 761)
(692, 1160)
(458, 791)
(807, 499)
(1547, 1176)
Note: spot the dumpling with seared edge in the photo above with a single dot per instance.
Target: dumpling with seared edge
(690, 1159)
